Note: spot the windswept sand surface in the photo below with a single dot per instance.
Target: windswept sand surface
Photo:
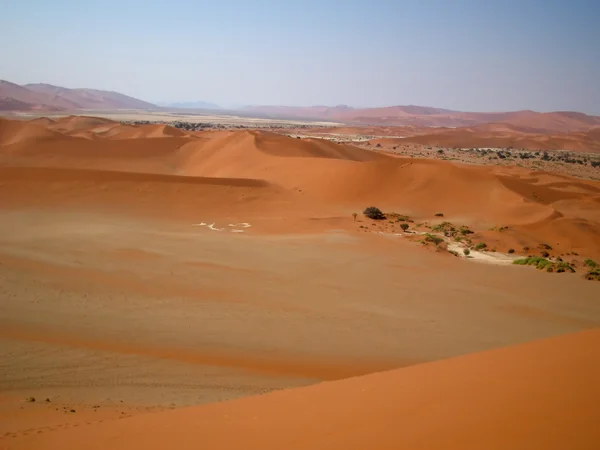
(538, 395)
(142, 268)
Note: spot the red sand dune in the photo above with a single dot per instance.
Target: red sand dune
(541, 395)
(306, 177)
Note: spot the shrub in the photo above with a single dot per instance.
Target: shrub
(465, 230)
(544, 264)
(404, 227)
(399, 217)
(593, 274)
(537, 261)
(432, 238)
(545, 254)
(564, 267)
(466, 251)
(439, 214)
(374, 213)
(455, 253)
(481, 246)
(511, 250)
(591, 263)
(444, 226)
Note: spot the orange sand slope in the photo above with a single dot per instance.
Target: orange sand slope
(306, 177)
(541, 395)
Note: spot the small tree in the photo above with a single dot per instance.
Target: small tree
(354, 215)
(404, 227)
(374, 213)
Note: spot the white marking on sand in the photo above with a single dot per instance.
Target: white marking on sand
(212, 227)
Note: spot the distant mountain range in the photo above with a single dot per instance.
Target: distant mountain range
(49, 98)
(563, 121)
(189, 105)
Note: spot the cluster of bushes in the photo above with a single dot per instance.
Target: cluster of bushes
(451, 230)
(545, 264)
(432, 238)
(593, 270)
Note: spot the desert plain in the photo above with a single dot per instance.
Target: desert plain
(230, 276)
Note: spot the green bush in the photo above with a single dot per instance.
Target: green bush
(374, 213)
(593, 274)
(481, 246)
(544, 264)
(444, 226)
(432, 238)
(466, 251)
(591, 263)
(464, 230)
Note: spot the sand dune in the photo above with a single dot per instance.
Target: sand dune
(232, 314)
(318, 176)
(537, 395)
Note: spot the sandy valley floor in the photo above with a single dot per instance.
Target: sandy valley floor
(103, 309)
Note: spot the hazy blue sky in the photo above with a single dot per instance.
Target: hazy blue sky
(458, 54)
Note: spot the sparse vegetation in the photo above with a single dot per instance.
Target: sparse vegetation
(399, 217)
(432, 238)
(481, 246)
(563, 266)
(537, 261)
(593, 274)
(464, 230)
(544, 264)
(374, 213)
(594, 270)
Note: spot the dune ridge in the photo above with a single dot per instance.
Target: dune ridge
(536, 395)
